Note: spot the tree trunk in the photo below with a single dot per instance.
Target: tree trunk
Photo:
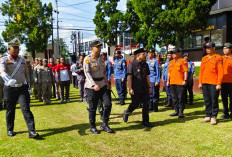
(33, 55)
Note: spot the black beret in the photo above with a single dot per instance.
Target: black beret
(139, 51)
(210, 45)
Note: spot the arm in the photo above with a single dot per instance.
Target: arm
(88, 76)
(220, 73)
(157, 78)
(149, 84)
(109, 70)
(124, 68)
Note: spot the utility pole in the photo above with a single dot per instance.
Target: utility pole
(79, 43)
(58, 38)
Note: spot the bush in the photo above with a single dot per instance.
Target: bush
(197, 71)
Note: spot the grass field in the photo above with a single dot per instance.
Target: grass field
(64, 131)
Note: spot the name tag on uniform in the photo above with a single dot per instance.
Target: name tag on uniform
(119, 62)
(152, 63)
(119, 67)
(151, 68)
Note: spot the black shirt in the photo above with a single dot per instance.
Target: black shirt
(139, 72)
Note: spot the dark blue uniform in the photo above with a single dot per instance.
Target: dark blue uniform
(189, 86)
(154, 78)
(119, 73)
(165, 77)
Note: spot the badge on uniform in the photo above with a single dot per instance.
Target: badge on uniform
(119, 67)
(94, 68)
(189, 65)
(87, 61)
(119, 62)
(9, 61)
(151, 68)
(93, 60)
(105, 63)
(10, 66)
(138, 70)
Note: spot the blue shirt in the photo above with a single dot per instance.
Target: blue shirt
(154, 70)
(191, 69)
(108, 69)
(120, 68)
(165, 71)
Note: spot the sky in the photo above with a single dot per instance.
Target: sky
(72, 14)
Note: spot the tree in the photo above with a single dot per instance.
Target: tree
(29, 21)
(170, 21)
(63, 47)
(107, 20)
(3, 48)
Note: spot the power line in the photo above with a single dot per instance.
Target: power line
(79, 3)
(76, 26)
(77, 29)
(76, 15)
(89, 21)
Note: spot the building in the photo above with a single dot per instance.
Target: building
(218, 30)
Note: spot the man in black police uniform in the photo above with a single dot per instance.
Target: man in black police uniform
(15, 75)
(139, 86)
(97, 87)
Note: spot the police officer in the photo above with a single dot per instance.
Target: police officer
(35, 80)
(39, 86)
(120, 76)
(15, 75)
(189, 86)
(45, 78)
(177, 79)
(210, 79)
(165, 77)
(227, 81)
(81, 78)
(139, 86)
(154, 80)
(96, 86)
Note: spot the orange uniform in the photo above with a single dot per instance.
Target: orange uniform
(176, 71)
(211, 70)
(227, 69)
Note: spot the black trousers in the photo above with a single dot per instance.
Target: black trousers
(66, 85)
(93, 99)
(138, 98)
(20, 94)
(210, 94)
(74, 81)
(177, 92)
(189, 89)
(226, 92)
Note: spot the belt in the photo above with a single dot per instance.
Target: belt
(16, 85)
(98, 79)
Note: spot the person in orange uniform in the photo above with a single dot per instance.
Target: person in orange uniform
(210, 79)
(227, 81)
(177, 79)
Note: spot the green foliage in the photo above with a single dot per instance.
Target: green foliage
(3, 48)
(63, 47)
(197, 71)
(107, 20)
(29, 21)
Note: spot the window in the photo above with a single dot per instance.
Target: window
(216, 37)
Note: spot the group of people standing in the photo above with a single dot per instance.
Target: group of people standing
(141, 76)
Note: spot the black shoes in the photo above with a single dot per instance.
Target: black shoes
(94, 130)
(106, 128)
(174, 114)
(225, 116)
(147, 124)
(10, 133)
(125, 116)
(155, 107)
(181, 115)
(33, 134)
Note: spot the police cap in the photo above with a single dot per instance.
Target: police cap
(228, 45)
(151, 51)
(14, 42)
(210, 45)
(185, 54)
(95, 44)
(139, 51)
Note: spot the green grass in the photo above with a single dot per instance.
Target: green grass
(64, 131)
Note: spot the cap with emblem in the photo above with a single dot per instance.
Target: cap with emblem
(210, 45)
(14, 42)
(95, 44)
(228, 45)
(185, 54)
(151, 51)
(139, 51)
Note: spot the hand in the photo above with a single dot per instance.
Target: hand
(131, 92)
(168, 83)
(96, 88)
(82, 68)
(123, 79)
(184, 83)
(200, 86)
(150, 90)
(157, 84)
(218, 87)
(109, 87)
(12, 82)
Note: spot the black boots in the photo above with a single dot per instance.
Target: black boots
(125, 116)
(33, 134)
(153, 106)
(181, 114)
(10, 133)
(106, 128)
(175, 113)
(169, 103)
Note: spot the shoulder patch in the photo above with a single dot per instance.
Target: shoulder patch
(87, 61)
